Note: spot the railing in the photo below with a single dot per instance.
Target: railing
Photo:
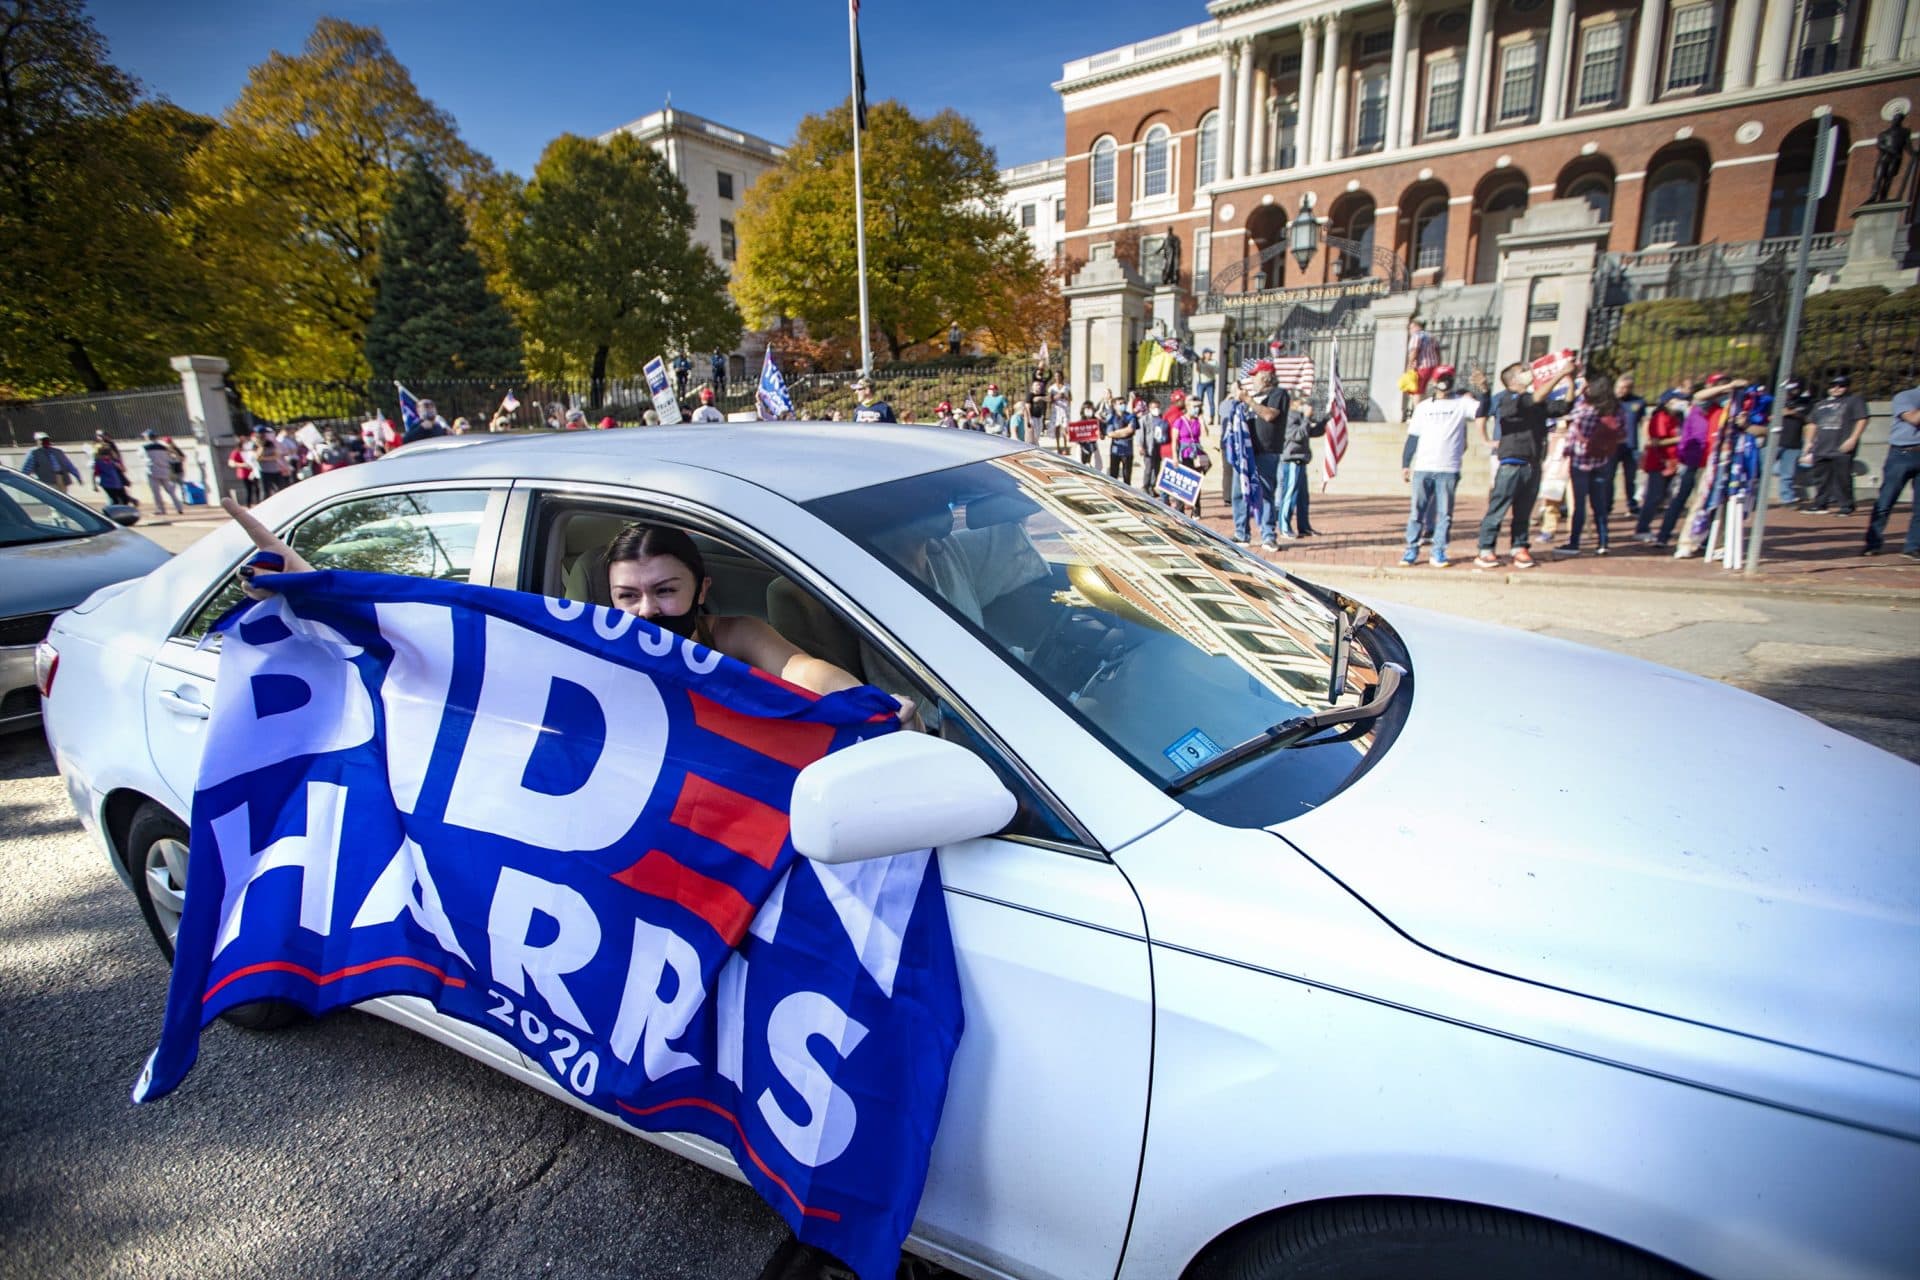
(123, 415)
(1185, 38)
(1352, 338)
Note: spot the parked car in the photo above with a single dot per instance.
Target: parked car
(54, 553)
(1327, 938)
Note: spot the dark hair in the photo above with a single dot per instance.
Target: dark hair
(1518, 366)
(1600, 395)
(641, 540)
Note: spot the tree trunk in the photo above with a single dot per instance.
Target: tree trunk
(83, 365)
(895, 346)
(598, 388)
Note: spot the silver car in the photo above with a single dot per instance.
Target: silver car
(54, 553)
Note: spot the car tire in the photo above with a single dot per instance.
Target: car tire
(156, 849)
(1429, 1240)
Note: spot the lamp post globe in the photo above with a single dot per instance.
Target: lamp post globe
(1303, 235)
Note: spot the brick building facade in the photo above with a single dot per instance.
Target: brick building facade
(1426, 130)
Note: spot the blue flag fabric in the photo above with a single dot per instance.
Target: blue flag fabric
(1236, 448)
(568, 827)
(409, 407)
(771, 397)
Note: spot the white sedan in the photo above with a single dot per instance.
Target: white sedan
(1325, 940)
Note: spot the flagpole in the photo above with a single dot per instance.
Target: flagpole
(859, 197)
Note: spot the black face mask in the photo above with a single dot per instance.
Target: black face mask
(681, 624)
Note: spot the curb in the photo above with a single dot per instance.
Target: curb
(1893, 597)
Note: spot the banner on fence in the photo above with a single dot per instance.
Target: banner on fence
(664, 402)
(568, 827)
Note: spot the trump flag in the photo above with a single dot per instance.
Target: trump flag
(564, 825)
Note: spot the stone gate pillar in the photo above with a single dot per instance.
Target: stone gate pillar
(1390, 316)
(1107, 311)
(1547, 261)
(203, 383)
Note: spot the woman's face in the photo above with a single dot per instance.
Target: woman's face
(657, 588)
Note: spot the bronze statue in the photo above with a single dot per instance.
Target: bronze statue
(1892, 146)
(1170, 257)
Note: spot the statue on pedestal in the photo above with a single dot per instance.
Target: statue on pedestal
(1892, 148)
(1170, 257)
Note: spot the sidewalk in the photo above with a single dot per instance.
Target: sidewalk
(1805, 553)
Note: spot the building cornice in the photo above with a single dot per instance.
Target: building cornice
(1127, 71)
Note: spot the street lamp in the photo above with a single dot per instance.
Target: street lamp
(1303, 235)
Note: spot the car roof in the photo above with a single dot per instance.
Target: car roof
(799, 460)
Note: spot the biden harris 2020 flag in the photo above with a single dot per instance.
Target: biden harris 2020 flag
(568, 827)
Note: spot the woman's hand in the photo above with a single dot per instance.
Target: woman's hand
(253, 576)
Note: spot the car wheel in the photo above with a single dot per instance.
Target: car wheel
(1429, 1240)
(157, 857)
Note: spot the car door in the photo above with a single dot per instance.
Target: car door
(1037, 1157)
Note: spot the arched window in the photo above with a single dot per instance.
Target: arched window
(1103, 152)
(1153, 163)
(1793, 170)
(1672, 212)
(1497, 216)
(1430, 234)
(1207, 145)
(1597, 190)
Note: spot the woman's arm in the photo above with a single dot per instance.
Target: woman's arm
(758, 645)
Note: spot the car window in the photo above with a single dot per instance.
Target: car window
(426, 534)
(29, 513)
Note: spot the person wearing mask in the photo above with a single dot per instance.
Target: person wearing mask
(429, 425)
(1699, 428)
(293, 455)
(1153, 438)
(110, 474)
(1595, 435)
(1792, 404)
(161, 480)
(995, 405)
(1296, 451)
(1059, 407)
(1902, 468)
(1017, 419)
(943, 415)
(1118, 423)
(1838, 422)
(1633, 410)
(1521, 450)
(867, 409)
(51, 465)
(706, 412)
(1660, 457)
(1438, 429)
(241, 459)
(1183, 441)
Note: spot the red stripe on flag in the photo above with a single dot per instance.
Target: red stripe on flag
(720, 905)
(322, 979)
(791, 742)
(747, 826)
(806, 1211)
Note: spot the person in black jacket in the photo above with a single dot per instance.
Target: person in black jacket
(1271, 406)
(1521, 451)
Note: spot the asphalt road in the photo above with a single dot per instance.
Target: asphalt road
(345, 1147)
(350, 1147)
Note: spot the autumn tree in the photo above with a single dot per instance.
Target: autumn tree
(96, 289)
(602, 251)
(940, 248)
(433, 314)
(292, 194)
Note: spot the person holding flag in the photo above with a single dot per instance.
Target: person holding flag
(770, 399)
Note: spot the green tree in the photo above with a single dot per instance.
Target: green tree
(96, 289)
(603, 252)
(291, 197)
(433, 314)
(940, 248)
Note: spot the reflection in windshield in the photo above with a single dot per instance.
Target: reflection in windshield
(1165, 642)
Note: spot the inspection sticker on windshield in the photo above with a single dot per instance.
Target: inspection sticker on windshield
(1192, 751)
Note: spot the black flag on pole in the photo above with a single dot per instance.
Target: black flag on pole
(859, 72)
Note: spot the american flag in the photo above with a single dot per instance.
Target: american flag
(1336, 422)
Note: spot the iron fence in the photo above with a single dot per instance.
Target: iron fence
(1351, 340)
(1881, 353)
(123, 415)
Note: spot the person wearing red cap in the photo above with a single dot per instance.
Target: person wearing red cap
(995, 406)
(706, 412)
(943, 414)
(607, 423)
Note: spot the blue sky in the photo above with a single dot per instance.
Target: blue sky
(515, 75)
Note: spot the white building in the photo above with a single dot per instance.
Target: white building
(716, 165)
(1037, 200)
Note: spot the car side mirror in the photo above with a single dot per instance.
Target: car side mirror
(121, 514)
(895, 794)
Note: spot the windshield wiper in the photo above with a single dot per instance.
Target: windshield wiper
(1343, 629)
(1300, 731)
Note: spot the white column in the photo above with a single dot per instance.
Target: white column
(1885, 24)
(1910, 32)
(1553, 85)
(1410, 101)
(1471, 87)
(1262, 147)
(1242, 107)
(1775, 30)
(1308, 123)
(1223, 131)
(1403, 11)
(1333, 93)
(1742, 32)
(1646, 50)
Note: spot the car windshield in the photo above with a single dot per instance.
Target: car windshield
(1167, 642)
(32, 512)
